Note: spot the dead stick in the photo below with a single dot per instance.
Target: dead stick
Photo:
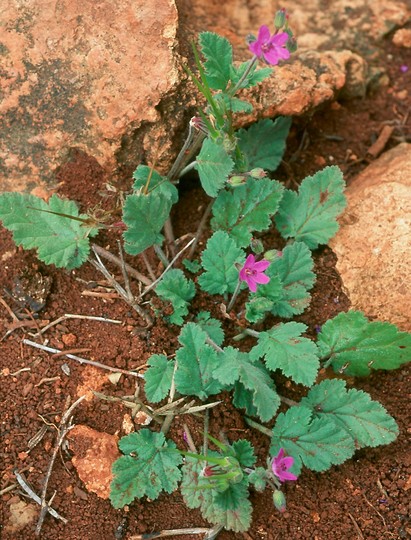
(170, 532)
(200, 228)
(24, 484)
(112, 258)
(65, 426)
(81, 360)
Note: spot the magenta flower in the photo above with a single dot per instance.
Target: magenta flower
(270, 47)
(253, 272)
(280, 466)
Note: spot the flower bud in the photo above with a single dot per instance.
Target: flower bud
(250, 38)
(272, 254)
(258, 172)
(291, 45)
(280, 18)
(257, 246)
(236, 180)
(279, 500)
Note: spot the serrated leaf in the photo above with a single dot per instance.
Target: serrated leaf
(219, 260)
(294, 269)
(355, 346)
(177, 289)
(154, 469)
(192, 266)
(258, 478)
(58, 239)
(254, 76)
(365, 420)
(195, 496)
(247, 208)
(283, 348)
(211, 326)
(157, 183)
(214, 165)
(310, 216)
(158, 377)
(196, 362)
(318, 443)
(263, 143)
(286, 294)
(144, 216)
(233, 104)
(219, 58)
(244, 452)
(236, 367)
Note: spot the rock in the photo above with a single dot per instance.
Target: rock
(94, 455)
(373, 245)
(84, 75)
(402, 38)
(22, 514)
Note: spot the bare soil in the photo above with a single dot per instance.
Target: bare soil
(365, 498)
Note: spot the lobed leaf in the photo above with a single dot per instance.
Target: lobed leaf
(153, 469)
(318, 443)
(196, 363)
(177, 289)
(363, 419)
(144, 216)
(218, 54)
(157, 183)
(251, 379)
(158, 377)
(309, 216)
(247, 208)
(354, 345)
(58, 239)
(254, 76)
(263, 143)
(213, 165)
(283, 348)
(211, 326)
(219, 260)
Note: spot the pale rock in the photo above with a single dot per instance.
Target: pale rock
(402, 38)
(94, 455)
(373, 244)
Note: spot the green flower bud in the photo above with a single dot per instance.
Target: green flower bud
(257, 246)
(258, 172)
(236, 180)
(280, 18)
(272, 254)
(291, 45)
(279, 500)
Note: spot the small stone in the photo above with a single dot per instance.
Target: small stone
(402, 38)
(69, 340)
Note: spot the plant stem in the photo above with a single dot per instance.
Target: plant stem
(234, 297)
(214, 345)
(112, 258)
(200, 228)
(258, 426)
(161, 255)
(187, 168)
(244, 76)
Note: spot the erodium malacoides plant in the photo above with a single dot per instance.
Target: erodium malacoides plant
(234, 167)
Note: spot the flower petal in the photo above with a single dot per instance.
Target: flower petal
(280, 40)
(261, 266)
(261, 278)
(252, 283)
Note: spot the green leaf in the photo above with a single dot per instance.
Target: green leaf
(247, 208)
(158, 377)
(192, 266)
(196, 363)
(283, 348)
(310, 215)
(365, 420)
(286, 294)
(211, 326)
(219, 58)
(318, 443)
(214, 165)
(258, 478)
(254, 76)
(177, 289)
(233, 104)
(236, 367)
(294, 269)
(157, 184)
(218, 260)
(244, 452)
(144, 216)
(58, 239)
(263, 143)
(153, 469)
(355, 346)
(195, 496)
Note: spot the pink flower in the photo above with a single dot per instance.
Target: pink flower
(253, 272)
(271, 47)
(280, 466)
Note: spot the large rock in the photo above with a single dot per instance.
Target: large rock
(373, 245)
(85, 75)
